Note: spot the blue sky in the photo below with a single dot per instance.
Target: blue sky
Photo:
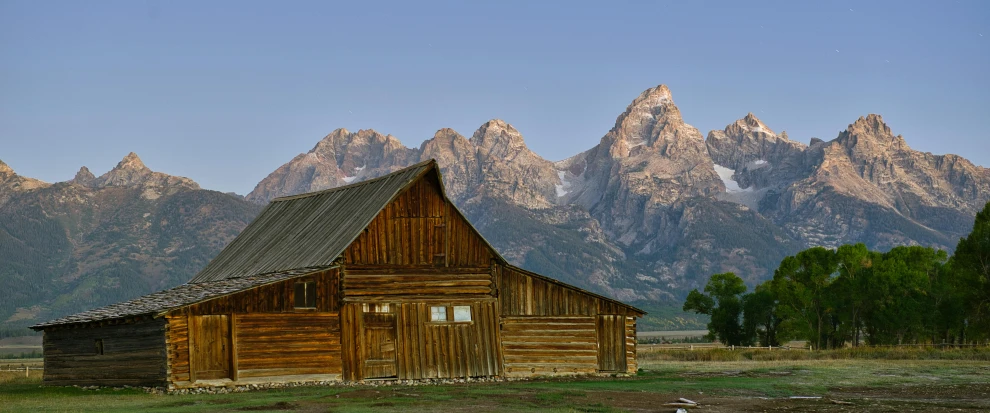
(224, 92)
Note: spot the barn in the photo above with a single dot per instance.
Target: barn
(382, 279)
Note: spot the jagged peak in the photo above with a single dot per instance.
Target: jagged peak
(750, 123)
(4, 168)
(84, 176)
(652, 98)
(872, 124)
(131, 161)
(497, 134)
(447, 133)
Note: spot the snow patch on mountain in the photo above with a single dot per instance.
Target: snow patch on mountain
(731, 186)
(562, 189)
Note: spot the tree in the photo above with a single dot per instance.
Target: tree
(852, 262)
(723, 302)
(760, 316)
(801, 287)
(972, 262)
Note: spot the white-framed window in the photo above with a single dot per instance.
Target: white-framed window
(438, 313)
(462, 313)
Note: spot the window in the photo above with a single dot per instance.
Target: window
(306, 294)
(462, 313)
(438, 313)
(99, 346)
(446, 313)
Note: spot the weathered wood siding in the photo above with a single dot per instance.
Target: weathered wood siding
(420, 228)
(287, 344)
(133, 354)
(611, 343)
(269, 336)
(523, 295)
(529, 302)
(542, 345)
(426, 349)
(389, 283)
(632, 366)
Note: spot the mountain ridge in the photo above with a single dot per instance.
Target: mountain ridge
(644, 215)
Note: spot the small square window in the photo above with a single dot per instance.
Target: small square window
(438, 313)
(305, 294)
(462, 313)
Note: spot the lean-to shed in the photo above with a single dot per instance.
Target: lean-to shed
(380, 279)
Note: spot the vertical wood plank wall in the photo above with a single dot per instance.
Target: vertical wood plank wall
(133, 354)
(270, 336)
(419, 228)
(427, 349)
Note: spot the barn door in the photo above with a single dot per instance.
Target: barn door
(209, 349)
(611, 343)
(379, 341)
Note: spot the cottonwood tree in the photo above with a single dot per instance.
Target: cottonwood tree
(972, 264)
(722, 301)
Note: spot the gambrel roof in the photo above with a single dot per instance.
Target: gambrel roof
(304, 232)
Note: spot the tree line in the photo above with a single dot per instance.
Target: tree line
(831, 297)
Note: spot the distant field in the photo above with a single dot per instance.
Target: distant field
(671, 334)
(738, 386)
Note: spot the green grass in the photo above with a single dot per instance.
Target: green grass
(658, 381)
(859, 353)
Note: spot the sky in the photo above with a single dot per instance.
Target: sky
(224, 92)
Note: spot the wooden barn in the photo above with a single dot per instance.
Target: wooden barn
(376, 280)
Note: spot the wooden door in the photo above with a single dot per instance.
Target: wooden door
(611, 343)
(379, 341)
(209, 347)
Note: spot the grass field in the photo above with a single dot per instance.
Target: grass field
(721, 386)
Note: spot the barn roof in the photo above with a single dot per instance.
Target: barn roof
(180, 296)
(310, 229)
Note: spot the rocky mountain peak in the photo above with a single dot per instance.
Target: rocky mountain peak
(131, 172)
(132, 162)
(871, 124)
(499, 139)
(84, 177)
(5, 169)
(11, 182)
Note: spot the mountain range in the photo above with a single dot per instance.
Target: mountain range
(647, 214)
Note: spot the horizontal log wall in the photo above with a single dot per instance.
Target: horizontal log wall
(632, 365)
(177, 337)
(384, 283)
(134, 354)
(287, 344)
(549, 345)
(419, 228)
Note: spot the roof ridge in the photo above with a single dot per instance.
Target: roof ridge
(354, 185)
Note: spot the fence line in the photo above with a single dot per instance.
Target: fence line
(706, 346)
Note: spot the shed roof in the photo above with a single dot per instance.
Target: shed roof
(180, 296)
